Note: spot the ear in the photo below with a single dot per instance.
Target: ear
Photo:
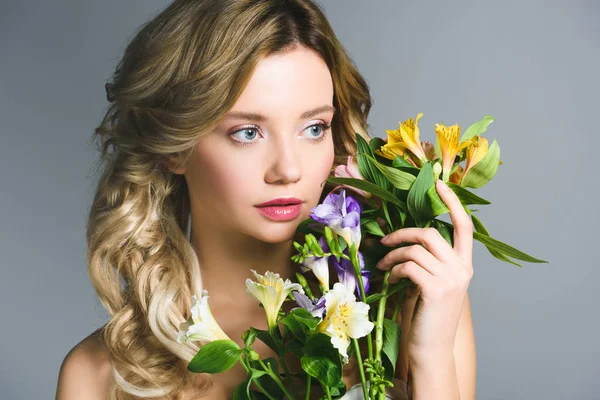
(175, 164)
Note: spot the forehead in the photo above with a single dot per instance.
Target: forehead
(286, 84)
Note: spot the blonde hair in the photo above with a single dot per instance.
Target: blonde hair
(181, 72)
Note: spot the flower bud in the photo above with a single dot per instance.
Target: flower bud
(253, 355)
(437, 170)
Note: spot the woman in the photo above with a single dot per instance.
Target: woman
(218, 107)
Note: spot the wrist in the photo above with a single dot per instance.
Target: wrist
(435, 378)
(431, 358)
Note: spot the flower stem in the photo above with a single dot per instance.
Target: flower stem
(327, 391)
(381, 316)
(278, 339)
(275, 377)
(356, 263)
(256, 382)
(308, 382)
(361, 369)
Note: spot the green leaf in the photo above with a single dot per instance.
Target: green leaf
(400, 179)
(482, 172)
(266, 338)
(466, 196)
(400, 162)
(478, 225)
(478, 128)
(443, 230)
(506, 249)
(391, 340)
(374, 297)
(437, 204)
(296, 328)
(373, 228)
(376, 143)
(322, 361)
(305, 318)
(366, 169)
(501, 247)
(419, 204)
(216, 357)
(371, 188)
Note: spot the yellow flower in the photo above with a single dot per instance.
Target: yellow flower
(271, 291)
(345, 318)
(448, 138)
(201, 325)
(477, 149)
(404, 138)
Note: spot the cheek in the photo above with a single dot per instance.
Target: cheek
(320, 165)
(218, 180)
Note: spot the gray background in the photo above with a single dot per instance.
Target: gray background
(531, 64)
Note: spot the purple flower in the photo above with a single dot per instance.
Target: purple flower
(347, 276)
(316, 307)
(341, 214)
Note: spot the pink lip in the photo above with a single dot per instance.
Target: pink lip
(280, 201)
(281, 213)
(281, 209)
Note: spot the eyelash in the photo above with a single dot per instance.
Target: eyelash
(326, 128)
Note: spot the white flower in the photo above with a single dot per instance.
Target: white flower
(345, 318)
(271, 291)
(320, 267)
(202, 325)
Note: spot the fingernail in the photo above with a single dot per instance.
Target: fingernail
(442, 184)
(385, 238)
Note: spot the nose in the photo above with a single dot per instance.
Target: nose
(284, 166)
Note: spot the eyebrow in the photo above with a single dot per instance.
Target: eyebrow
(261, 118)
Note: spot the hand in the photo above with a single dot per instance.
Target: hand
(441, 273)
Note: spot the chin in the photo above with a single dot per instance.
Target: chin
(277, 232)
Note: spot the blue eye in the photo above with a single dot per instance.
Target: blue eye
(246, 136)
(315, 130)
(246, 133)
(320, 131)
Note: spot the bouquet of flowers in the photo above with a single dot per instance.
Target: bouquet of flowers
(393, 183)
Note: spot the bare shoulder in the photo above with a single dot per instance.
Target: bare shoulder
(85, 373)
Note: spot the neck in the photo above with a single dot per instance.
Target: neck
(226, 259)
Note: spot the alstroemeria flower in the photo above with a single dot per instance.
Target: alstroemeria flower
(316, 307)
(477, 149)
(350, 170)
(345, 318)
(404, 138)
(448, 138)
(457, 175)
(341, 214)
(319, 265)
(271, 290)
(347, 276)
(429, 150)
(201, 325)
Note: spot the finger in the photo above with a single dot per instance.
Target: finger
(463, 226)
(430, 238)
(411, 270)
(415, 253)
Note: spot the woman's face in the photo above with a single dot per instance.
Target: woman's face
(284, 151)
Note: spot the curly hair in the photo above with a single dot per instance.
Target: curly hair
(178, 76)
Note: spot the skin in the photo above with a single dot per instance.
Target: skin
(226, 180)
(439, 341)
(284, 159)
